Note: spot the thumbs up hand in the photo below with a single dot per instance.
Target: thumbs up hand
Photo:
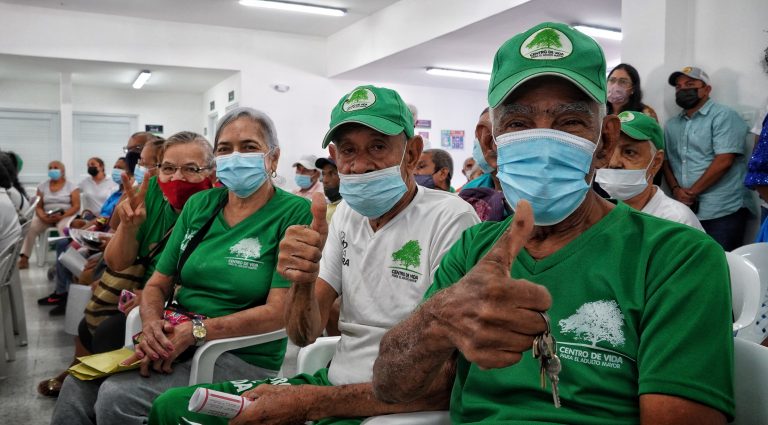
(302, 246)
(489, 316)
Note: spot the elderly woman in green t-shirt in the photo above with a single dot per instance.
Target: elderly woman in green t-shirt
(229, 277)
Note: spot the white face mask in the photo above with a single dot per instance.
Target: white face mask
(622, 184)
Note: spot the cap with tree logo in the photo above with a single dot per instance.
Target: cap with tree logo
(549, 48)
(379, 108)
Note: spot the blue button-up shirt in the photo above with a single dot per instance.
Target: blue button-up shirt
(691, 146)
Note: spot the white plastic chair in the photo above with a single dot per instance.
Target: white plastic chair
(17, 297)
(317, 356)
(77, 298)
(745, 290)
(27, 214)
(757, 254)
(201, 370)
(750, 378)
(7, 341)
(43, 244)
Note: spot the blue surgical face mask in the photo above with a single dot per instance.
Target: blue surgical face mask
(138, 173)
(426, 180)
(242, 173)
(477, 154)
(117, 175)
(54, 174)
(373, 194)
(303, 181)
(546, 168)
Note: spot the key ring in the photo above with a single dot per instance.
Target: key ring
(545, 316)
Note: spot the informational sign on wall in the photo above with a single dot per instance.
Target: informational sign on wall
(154, 128)
(423, 123)
(452, 139)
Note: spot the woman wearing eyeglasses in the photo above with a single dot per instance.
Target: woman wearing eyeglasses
(624, 93)
(224, 249)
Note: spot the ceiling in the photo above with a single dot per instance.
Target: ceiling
(110, 74)
(469, 47)
(472, 48)
(226, 13)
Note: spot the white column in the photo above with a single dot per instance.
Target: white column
(65, 115)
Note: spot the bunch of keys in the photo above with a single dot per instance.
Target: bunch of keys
(545, 349)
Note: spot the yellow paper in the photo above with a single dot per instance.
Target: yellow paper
(102, 364)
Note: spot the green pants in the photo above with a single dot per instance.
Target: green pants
(170, 408)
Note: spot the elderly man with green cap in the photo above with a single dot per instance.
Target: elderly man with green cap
(576, 310)
(378, 255)
(635, 160)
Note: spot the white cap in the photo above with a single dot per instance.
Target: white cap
(306, 161)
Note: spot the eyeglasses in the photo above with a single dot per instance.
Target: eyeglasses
(186, 170)
(137, 149)
(147, 166)
(623, 82)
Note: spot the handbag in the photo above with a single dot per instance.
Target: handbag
(174, 313)
(106, 294)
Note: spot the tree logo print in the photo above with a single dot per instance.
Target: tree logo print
(360, 98)
(408, 256)
(185, 241)
(546, 44)
(247, 249)
(596, 321)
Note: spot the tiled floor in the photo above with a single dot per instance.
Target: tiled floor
(49, 351)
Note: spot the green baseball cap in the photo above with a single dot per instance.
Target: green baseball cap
(379, 108)
(549, 48)
(641, 127)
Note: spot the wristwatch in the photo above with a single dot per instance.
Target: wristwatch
(199, 332)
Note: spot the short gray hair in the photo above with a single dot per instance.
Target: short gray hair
(441, 159)
(192, 138)
(270, 133)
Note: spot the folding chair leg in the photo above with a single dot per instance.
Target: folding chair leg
(17, 308)
(7, 323)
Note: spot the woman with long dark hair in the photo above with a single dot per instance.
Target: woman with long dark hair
(624, 92)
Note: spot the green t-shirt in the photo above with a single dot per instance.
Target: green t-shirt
(233, 268)
(160, 218)
(641, 305)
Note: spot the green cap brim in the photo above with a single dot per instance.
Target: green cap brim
(636, 134)
(507, 86)
(379, 124)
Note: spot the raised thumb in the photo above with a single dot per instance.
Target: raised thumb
(319, 208)
(506, 249)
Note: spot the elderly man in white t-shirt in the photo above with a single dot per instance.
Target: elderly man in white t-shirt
(636, 159)
(378, 254)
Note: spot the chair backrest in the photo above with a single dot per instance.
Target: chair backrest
(7, 260)
(30, 211)
(317, 355)
(750, 378)
(757, 254)
(745, 290)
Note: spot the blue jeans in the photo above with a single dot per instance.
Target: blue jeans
(728, 230)
(63, 276)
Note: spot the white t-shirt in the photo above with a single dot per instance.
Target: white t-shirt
(17, 199)
(60, 199)
(93, 195)
(663, 206)
(381, 277)
(10, 229)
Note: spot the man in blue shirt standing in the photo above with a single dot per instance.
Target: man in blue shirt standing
(706, 159)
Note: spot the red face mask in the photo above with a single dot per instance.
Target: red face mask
(178, 191)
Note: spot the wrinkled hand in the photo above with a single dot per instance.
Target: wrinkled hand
(302, 246)
(491, 317)
(160, 345)
(131, 210)
(684, 195)
(276, 405)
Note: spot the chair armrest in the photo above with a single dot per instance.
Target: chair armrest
(132, 326)
(414, 418)
(317, 355)
(201, 371)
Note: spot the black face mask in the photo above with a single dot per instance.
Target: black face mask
(93, 171)
(687, 98)
(131, 159)
(332, 193)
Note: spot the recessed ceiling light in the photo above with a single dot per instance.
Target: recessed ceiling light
(611, 34)
(460, 73)
(295, 7)
(141, 79)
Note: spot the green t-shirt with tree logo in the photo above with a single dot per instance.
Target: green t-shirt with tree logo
(641, 305)
(233, 268)
(160, 218)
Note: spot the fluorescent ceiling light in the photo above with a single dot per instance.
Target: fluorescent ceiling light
(295, 7)
(141, 79)
(611, 34)
(474, 75)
